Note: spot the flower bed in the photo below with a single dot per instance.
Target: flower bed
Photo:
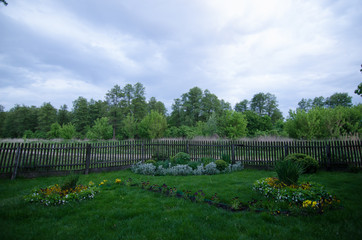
(304, 197)
(183, 169)
(55, 195)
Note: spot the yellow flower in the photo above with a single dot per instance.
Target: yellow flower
(314, 203)
(91, 183)
(101, 183)
(118, 180)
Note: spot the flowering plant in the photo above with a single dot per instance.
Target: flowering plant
(308, 196)
(55, 195)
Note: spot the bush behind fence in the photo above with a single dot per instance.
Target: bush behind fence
(34, 159)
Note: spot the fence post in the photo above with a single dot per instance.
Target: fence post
(286, 150)
(328, 152)
(143, 151)
(87, 158)
(16, 163)
(233, 153)
(188, 147)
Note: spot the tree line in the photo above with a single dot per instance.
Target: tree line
(126, 114)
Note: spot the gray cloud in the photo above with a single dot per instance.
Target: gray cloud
(55, 51)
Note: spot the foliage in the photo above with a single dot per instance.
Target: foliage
(226, 157)
(207, 160)
(288, 171)
(306, 196)
(151, 161)
(57, 195)
(70, 182)
(54, 130)
(67, 131)
(181, 158)
(191, 168)
(320, 123)
(153, 126)
(221, 165)
(232, 125)
(309, 164)
(193, 165)
(100, 130)
(129, 126)
(339, 99)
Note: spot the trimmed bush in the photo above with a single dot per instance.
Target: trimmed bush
(221, 165)
(180, 158)
(288, 171)
(309, 164)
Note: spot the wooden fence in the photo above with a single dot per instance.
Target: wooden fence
(36, 159)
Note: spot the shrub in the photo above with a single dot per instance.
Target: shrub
(210, 169)
(207, 160)
(160, 156)
(221, 165)
(164, 164)
(194, 165)
(144, 168)
(181, 158)
(151, 161)
(70, 182)
(226, 158)
(309, 164)
(288, 171)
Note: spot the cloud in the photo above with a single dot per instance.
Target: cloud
(234, 48)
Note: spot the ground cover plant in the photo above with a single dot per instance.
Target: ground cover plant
(121, 212)
(181, 164)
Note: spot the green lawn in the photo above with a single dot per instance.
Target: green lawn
(132, 213)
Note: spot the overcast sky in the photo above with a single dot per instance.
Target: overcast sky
(57, 50)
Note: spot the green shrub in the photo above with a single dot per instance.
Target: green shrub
(160, 156)
(181, 158)
(221, 165)
(207, 160)
(309, 164)
(226, 158)
(164, 164)
(288, 171)
(151, 161)
(194, 165)
(70, 182)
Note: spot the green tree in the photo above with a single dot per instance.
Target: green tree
(305, 104)
(2, 120)
(19, 119)
(191, 106)
(157, 106)
(339, 99)
(81, 119)
(97, 109)
(54, 131)
(47, 115)
(257, 123)
(177, 114)
(4, 2)
(318, 102)
(242, 106)
(210, 104)
(114, 98)
(101, 130)
(153, 126)
(138, 103)
(232, 125)
(266, 104)
(129, 126)
(67, 131)
(63, 115)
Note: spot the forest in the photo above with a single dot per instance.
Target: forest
(126, 114)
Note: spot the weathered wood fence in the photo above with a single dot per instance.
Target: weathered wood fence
(37, 159)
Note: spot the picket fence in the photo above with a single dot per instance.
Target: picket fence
(37, 159)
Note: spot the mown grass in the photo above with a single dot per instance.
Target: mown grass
(120, 212)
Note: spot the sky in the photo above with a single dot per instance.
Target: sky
(58, 50)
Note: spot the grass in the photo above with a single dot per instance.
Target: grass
(120, 212)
